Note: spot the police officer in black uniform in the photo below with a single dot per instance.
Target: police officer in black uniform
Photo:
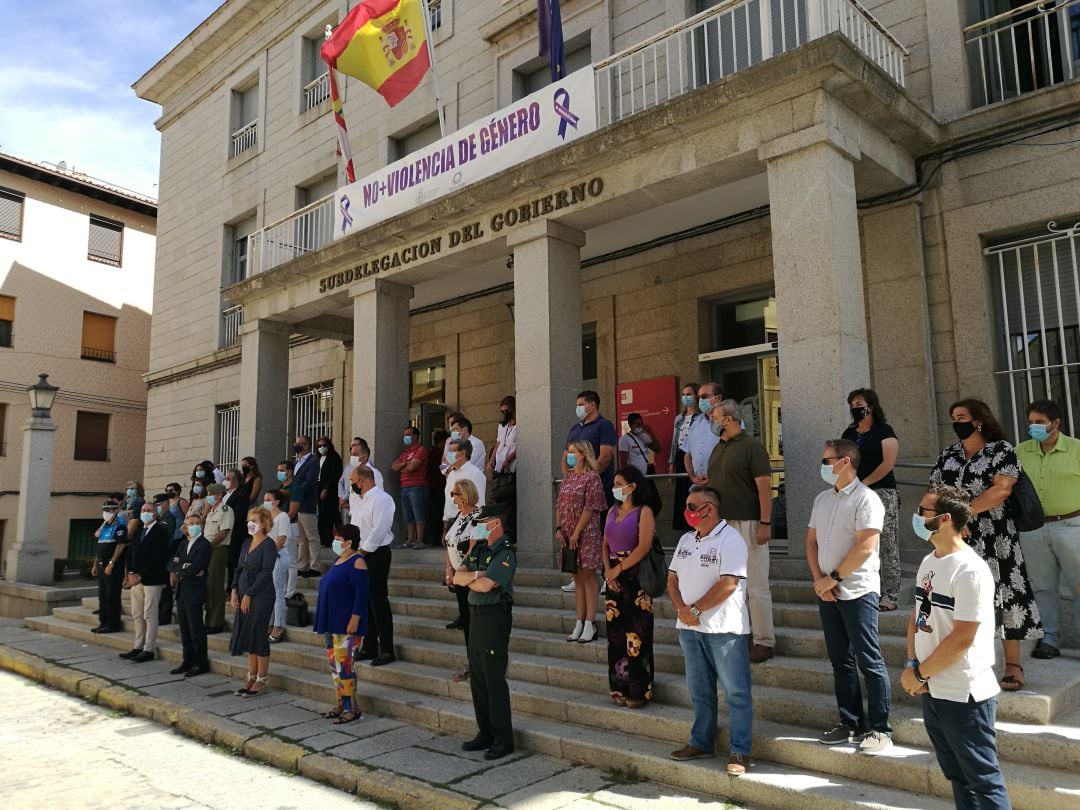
(488, 573)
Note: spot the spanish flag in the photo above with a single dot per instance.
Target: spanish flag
(383, 43)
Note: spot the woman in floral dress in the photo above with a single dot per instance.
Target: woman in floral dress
(577, 525)
(984, 465)
(628, 536)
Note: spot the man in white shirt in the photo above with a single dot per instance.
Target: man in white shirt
(374, 517)
(461, 428)
(359, 456)
(502, 463)
(707, 586)
(842, 552)
(950, 647)
(459, 454)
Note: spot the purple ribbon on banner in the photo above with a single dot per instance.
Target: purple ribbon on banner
(562, 109)
(346, 217)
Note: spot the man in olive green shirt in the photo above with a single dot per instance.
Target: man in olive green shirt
(740, 470)
(488, 573)
(1052, 462)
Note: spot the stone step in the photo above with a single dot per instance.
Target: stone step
(431, 662)
(656, 728)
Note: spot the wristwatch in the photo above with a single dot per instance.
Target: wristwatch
(836, 575)
(694, 611)
(912, 663)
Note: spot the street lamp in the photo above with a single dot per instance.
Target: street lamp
(42, 396)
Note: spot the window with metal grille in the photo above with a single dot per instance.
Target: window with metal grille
(91, 436)
(7, 321)
(98, 338)
(314, 77)
(313, 412)
(1038, 291)
(11, 213)
(244, 119)
(106, 240)
(435, 12)
(227, 448)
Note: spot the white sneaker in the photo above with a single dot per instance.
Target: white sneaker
(569, 587)
(587, 634)
(576, 634)
(874, 742)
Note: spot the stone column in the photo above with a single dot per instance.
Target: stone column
(547, 358)
(380, 405)
(264, 391)
(30, 559)
(820, 306)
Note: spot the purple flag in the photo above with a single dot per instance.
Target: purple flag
(549, 20)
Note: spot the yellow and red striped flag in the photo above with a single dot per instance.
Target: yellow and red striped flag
(343, 132)
(383, 43)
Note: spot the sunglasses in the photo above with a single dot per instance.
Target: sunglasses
(695, 509)
(830, 461)
(455, 494)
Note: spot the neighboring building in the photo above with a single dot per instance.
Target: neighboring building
(76, 284)
(818, 208)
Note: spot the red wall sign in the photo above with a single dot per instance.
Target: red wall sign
(657, 402)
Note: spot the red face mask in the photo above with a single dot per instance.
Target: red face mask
(692, 518)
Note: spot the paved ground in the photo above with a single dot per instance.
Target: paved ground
(57, 745)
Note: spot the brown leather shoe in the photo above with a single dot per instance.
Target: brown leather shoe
(737, 764)
(688, 752)
(760, 653)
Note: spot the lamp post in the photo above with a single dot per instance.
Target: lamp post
(30, 559)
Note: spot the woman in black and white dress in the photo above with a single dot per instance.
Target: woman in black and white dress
(457, 541)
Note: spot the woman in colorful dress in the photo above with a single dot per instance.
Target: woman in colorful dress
(628, 536)
(984, 465)
(341, 615)
(577, 526)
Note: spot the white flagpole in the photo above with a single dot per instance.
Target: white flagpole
(434, 68)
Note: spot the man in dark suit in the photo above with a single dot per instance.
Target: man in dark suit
(189, 567)
(303, 505)
(148, 558)
(330, 470)
(236, 498)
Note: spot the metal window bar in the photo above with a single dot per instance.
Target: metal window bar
(316, 91)
(245, 138)
(313, 412)
(302, 232)
(231, 320)
(228, 437)
(1023, 49)
(1039, 286)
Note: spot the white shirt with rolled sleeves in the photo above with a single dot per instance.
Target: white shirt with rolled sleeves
(374, 517)
(475, 475)
(957, 588)
(699, 444)
(507, 443)
(699, 564)
(836, 517)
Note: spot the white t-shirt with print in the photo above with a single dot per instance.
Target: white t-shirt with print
(699, 564)
(957, 587)
(636, 448)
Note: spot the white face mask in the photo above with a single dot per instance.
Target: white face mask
(337, 547)
(147, 517)
(253, 527)
(354, 460)
(107, 516)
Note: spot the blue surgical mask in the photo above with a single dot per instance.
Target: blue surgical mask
(1039, 432)
(455, 435)
(268, 506)
(194, 532)
(638, 430)
(147, 517)
(338, 547)
(131, 492)
(197, 489)
(451, 456)
(407, 440)
(579, 411)
(828, 476)
(211, 499)
(687, 400)
(717, 428)
(918, 525)
(704, 404)
(571, 460)
(200, 474)
(619, 494)
(481, 531)
(282, 475)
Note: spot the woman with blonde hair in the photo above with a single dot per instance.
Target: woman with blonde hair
(458, 540)
(577, 529)
(253, 598)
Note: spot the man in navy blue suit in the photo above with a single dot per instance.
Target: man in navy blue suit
(188, 568)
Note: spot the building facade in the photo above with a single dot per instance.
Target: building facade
(794, 198)
(76, 286)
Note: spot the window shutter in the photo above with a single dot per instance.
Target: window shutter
(91, 436)
(105, 240)
(11, 209)
(99, 336)
(7, 308)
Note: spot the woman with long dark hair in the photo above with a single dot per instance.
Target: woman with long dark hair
(983, 464)
(628, 536)
(252, 480)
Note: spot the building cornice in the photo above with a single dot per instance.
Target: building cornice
(83, 186)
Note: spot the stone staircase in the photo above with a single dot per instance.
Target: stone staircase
(561, 708)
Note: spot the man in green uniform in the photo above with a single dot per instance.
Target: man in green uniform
(488, 573)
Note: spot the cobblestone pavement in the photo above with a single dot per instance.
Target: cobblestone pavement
(58, 745)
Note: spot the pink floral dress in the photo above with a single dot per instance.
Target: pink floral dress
(581, 491)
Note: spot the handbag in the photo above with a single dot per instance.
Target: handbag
(503, 487)
(652, 571)
(569, 560)
(296, 611)
(1024, 505)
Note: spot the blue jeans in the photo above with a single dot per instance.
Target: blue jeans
(414, 504)
(851, 640)
(966, 747)
(709, 656)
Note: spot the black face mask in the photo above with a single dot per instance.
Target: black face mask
(506, 417)
(858, 414)
(963, 429)
(298, 448)
(245, 470)
(356, 489)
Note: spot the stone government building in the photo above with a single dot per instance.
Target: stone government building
(793, 197)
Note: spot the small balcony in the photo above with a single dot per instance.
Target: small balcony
(98, 355)
(300, 233)
(1023, 50)
(244, 138)
(231, 320)
(316, 91)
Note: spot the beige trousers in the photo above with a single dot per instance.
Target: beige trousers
(144, 610)
(309, 545)
(758, 593)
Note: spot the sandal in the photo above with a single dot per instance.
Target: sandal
(346, 717)
(333, 713)
(280, 637)
(250, 682)
(618, 701)
(885, 606)
(1010, 683)
(260, 681)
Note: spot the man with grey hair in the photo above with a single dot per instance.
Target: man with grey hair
(740, 470)
(702, 438)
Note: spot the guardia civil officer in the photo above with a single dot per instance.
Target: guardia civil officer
(488, 573)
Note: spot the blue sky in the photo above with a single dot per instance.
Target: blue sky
(66, 76)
